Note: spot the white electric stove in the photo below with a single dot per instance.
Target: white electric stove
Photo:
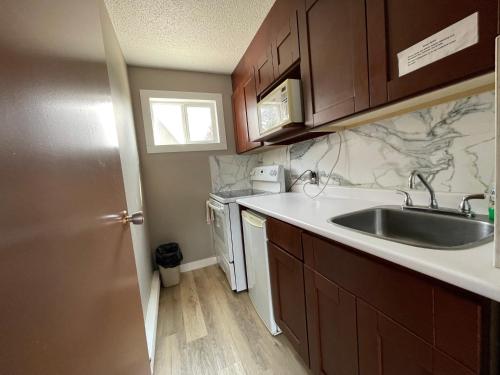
(226, 221)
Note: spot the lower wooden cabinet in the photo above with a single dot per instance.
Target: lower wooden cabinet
(331, 322)
(286, 236)
(458, 324)
(443, 365)
(349, 313)
(289, 304)
(387, 348)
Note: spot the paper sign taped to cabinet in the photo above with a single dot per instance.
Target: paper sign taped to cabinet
(454, 38)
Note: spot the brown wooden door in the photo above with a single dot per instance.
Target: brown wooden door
(395, 25)
(70, 301)
(333, 59)
(264, 70)
(242, 137)
(286, 46)
(331, 322)
(287, 287)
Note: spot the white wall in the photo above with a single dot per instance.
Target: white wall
(177, 184)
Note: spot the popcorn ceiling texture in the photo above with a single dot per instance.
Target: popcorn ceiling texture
(207, 36)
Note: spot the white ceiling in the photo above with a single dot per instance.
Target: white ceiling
(198, 35)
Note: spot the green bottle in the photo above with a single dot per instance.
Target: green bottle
(491, 206)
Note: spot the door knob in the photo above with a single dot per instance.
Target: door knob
(136, 218)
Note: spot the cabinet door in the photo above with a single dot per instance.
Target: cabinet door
(459, 326)
(331, 322)
(386, 348)
(286, 47)
(250, 94)
(285, 235)
(395, 25)
(264, 71)
(403, 295)
(333, 59)
(287, 287)
(241, 135)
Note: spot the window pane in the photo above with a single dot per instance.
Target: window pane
(167, 123)
(200, 124)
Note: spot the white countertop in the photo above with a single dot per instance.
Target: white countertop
(470, 269)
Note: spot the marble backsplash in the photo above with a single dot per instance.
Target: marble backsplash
(230, 172)
(452, 144)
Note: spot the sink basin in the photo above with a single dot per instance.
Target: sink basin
(419, 228)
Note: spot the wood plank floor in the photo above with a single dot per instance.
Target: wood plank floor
(205, 328)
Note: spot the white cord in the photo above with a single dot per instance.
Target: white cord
(329, 176)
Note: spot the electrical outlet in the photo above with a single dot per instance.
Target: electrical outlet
(315, 178)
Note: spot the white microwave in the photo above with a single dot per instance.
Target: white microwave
(281, 108)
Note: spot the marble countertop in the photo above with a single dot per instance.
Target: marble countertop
(470, 269)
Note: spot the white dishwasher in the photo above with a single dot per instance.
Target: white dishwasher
(258, 280)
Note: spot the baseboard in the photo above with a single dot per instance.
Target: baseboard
(152, 317)
(197, 264)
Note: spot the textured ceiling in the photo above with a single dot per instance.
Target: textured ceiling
(199, 35)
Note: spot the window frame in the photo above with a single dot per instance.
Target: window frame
(182, 96)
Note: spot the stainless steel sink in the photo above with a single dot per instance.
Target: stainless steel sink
(419, 228)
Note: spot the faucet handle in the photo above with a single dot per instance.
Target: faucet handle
(407, 201)
(465, 207)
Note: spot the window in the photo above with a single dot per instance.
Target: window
(182, 121)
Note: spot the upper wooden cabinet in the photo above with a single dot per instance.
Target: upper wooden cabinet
(264, 70)
(282, 50)
(348, 52)
(250, 94)
(285, 47)
(334, 62)
(242, 119)
(395, 25)
(271, 54)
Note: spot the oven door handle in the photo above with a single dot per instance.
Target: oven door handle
(215, 208)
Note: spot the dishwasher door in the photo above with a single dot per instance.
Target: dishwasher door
(259, 284)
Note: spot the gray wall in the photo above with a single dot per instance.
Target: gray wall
(122, 108)
(176, 185)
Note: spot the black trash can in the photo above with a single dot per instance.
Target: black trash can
(168, 258)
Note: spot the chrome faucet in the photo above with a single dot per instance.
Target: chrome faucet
(465, 207)
(407, 202)
(411, 183)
